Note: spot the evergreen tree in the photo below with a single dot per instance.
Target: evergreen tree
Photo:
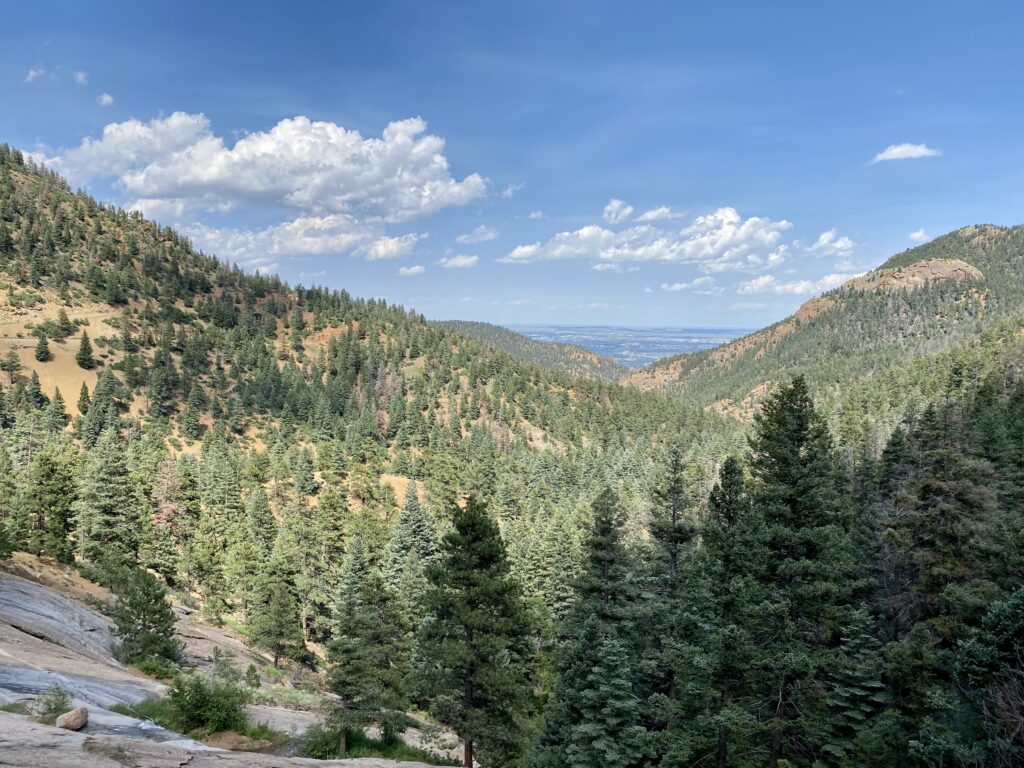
(275, 621)
(718, 652)
(370, 656)
(475, 652)
(107, 522)
(84, 356)
(809, 565)
(45, 502)
(413, 532)
(42, 351)
(144, 620)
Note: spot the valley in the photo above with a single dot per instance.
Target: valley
(248, 522)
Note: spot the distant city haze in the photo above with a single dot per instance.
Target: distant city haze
(633, 347)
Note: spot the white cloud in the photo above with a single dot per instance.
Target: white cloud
(610, 266)
(717, 242)
(617, 211)
(660, 213)
(315, 167)
(391, 247)
(411, 271)
(770, 284)
(536, 215)
(905, 152)
(918, 235)
(303, 236)
(831, 244)
(346, 190)
(104, 99)
(82, 78)
(458, 262)
(478, 235)
(703, 285)
(34, 74)
(512, 190)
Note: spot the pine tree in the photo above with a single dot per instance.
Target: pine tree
(603, 620)
(11, 365)
(413, 532)
(275, 621)
(144, 620)
(107, 523)
(84, 401)
(84, 356)
(602, 707)
(475, 652)
(45, 502)
(370, 656)
(810, 561)
(42, 351)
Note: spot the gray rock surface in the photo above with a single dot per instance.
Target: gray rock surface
(24, 744)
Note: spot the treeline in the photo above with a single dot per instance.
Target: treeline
(566, 358)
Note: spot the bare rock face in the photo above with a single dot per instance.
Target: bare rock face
(75, 720)
(25, 744)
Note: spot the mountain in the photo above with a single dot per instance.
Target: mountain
(878, 339)
(325, 407)
(571, 359)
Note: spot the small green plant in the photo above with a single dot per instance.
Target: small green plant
(15, 708)
(55, 701)
(321, 743)
(158, 668)
(252, 676)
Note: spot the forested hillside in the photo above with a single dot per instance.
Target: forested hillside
(567, 358)
(562, 571)
(871, 348)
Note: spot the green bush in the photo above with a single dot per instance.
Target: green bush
(213, 705)
(321, 743)
(52, 703)
(158, 668)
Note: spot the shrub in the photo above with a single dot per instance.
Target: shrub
(53, 702)
(214, 705)
(158, 668)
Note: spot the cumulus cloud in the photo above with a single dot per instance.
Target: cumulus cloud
(536, 215)
(411, 271)
(918, 235)
(717, 242)
(831, 244)
(82, 78)
(479, 235)
(34, 74)
(391, 247)
(458, 262)
(303, 236)
(661, 213)
(345, 191)
(905, 152)
(771, 284)
(313, 166)
(617, 211)
(105, 100)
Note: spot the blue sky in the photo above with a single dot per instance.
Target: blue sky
(642, 163)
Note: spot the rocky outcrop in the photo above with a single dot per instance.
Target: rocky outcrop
(24, 744)
(75, 720)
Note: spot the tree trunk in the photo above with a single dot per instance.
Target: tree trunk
(467, 754)
(342, 744)
(778, 743)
